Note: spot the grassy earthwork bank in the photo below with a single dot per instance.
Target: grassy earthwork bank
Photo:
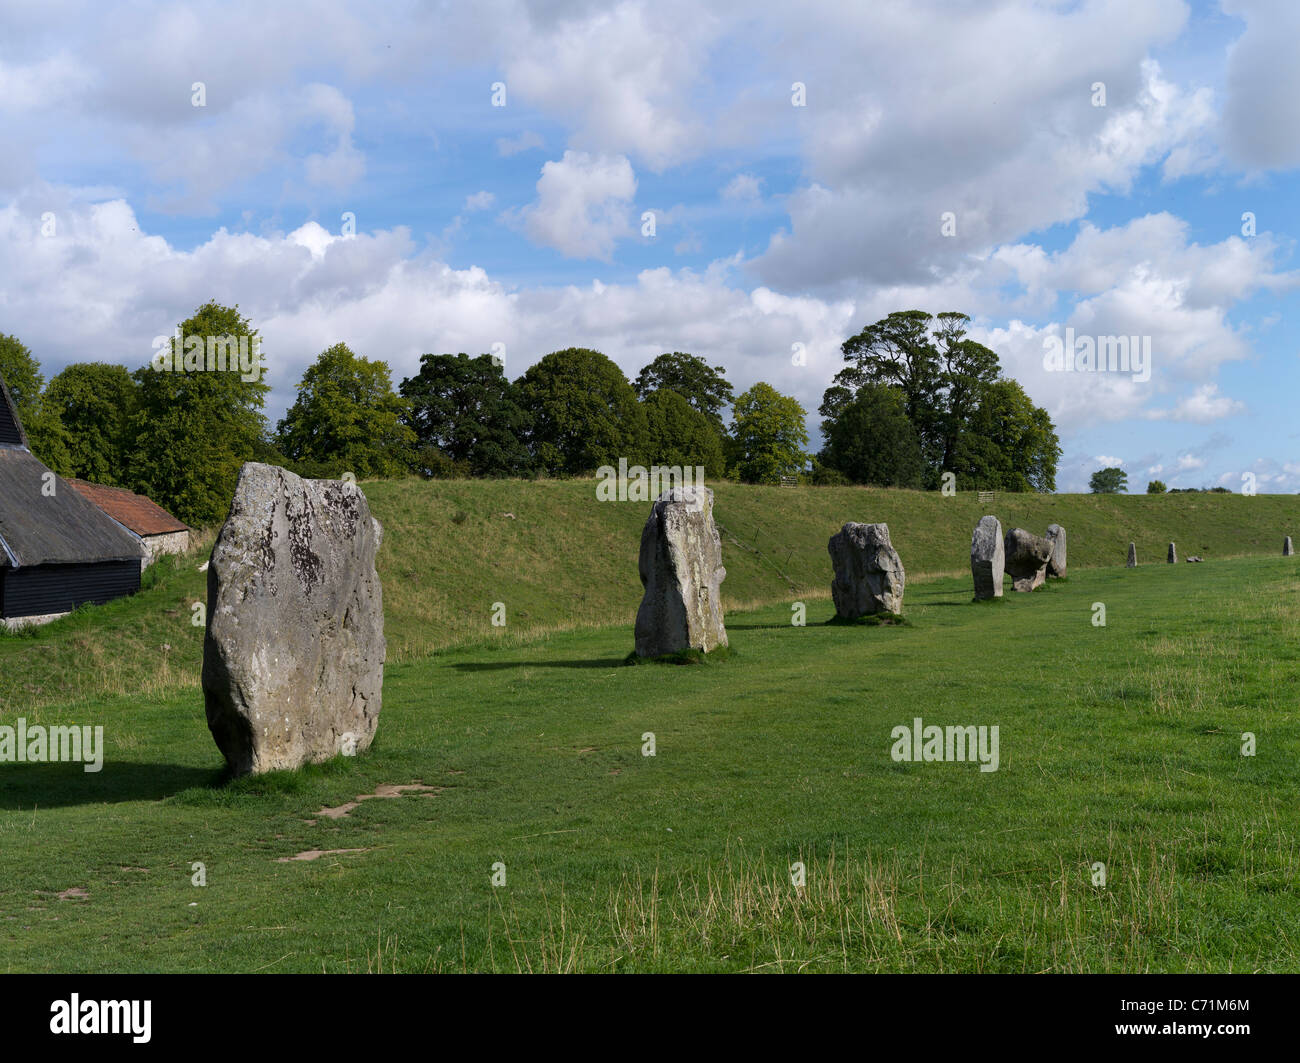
(1119, 745)
(558, 559)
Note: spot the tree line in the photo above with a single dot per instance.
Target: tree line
(916, 399)
(1113, 480)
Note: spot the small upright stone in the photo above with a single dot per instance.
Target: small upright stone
(681, 570)
(1173, 554)
(1132, 555)
(1056, 563)
(1027, 557)
(1286, 547)
(869, 575)
(987, 558)
(293, 655)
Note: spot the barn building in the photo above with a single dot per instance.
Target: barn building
(158, 531)
(57, 549)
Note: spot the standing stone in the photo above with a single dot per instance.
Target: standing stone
(1132, 555)
(1026, 558)
(681, 570)
(1286, 547)
(869, 575)
(1056, 563)
(1173, 554)
(293, 657)
(987, 558)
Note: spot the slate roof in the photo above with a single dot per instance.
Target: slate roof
(142, 515)
(39, 528)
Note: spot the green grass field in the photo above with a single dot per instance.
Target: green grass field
(1119, 744)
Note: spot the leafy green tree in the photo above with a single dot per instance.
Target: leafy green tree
(871, 441)
(966, 370)
(46, 436)
(1009, 445)
(835, 399)
(704, 387)
(952, 396)
(347, 418)
(1156, 487)
(1109, 481)
(900, 352)
(193, 429)
(584, 413)
(768, 435)
(824, 476)
(21, 374)
(1039, 446)
(465, 410)
(95, 402)
(677, 434)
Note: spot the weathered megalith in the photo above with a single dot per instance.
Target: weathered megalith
(1173, 554)
(869, 575)
(1026, 559)
(293, 657)
(1056, 563)
(1286, 547)
(987, 558)
(1132, 555)
(681, 570)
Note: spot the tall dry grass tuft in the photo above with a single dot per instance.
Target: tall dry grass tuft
(860, 914)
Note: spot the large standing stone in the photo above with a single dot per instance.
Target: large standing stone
(293, 658)
(681, 570)
(869, 575)
(987, 558)
(1132, 555)
(1286, 547)
(1056, 563)
(1173, 554)
(1026, 558)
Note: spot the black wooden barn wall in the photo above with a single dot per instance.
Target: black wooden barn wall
(37, 590)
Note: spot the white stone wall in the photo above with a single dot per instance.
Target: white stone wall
(16, 623)
(157, 545)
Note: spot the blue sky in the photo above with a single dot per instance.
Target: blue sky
(775, 225)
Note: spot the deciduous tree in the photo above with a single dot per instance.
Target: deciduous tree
(584, 413)
(46, 436)
(705, 387)
(193, 429)
(768, 435)
(347, 418)
(95, 402)
(466, 410)
(1109, 481)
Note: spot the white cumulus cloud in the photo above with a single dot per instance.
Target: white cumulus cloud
(583, 204)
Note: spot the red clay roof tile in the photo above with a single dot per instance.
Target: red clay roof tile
(140, 514)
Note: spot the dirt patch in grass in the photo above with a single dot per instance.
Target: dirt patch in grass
(315, 854)
(382, 790)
